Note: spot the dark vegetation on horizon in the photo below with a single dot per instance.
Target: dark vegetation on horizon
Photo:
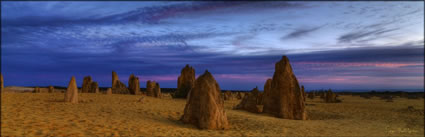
(345, 92)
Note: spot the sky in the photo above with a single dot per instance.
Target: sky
(337, 45)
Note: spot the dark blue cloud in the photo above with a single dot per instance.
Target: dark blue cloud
(365, 35)
(144, 14)
(301, 32)
(407, 52)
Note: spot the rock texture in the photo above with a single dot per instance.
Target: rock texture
(51, 89)
(94, 87)
(252, 102)
(108, 91)
(153, 89)
(228, 95)
(150, 85)
(71, 94)
(87, 85)
(36, 90)
(1, 83)
(285, 99)
(157, 91)
(185, 82)
(239, 96)
(330, 97)
(205, 106)
(133, 84)
(117, 86)
(85, 88)
(304, 94)
(266, 93)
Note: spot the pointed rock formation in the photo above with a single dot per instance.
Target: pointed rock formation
(153, 89)
(285, 99)
(117, 86)
(1, 83)
(252, 102)
(51, 89)
(185, 82)
(266, 93)
(94, 87)
(71, 94)
(85, 88)
(133, 84)
(205, 106)
(304, 94)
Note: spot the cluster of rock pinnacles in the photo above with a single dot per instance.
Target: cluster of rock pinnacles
(328, 96)
(89, 86)
(283, 97)
(185, 82)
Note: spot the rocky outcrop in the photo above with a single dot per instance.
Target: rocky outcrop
(205, 106)
(36, 90)
(239, 96)
(108, 91)
(117, 86)
(157, 91)
(51, 89)
(266, 93)
(185, 82)
(304, 94)
(87, 85)
(133, 84)
(85, 88)
(285, 99)
(153, 89)
(1, 83)
(228, 95)
(150, 85)
(71, 94)
(94, 87)
(330, 97)
(252, 102)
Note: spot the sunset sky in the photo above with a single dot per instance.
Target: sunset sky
(338, 45)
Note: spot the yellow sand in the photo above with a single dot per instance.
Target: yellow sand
(44, 114)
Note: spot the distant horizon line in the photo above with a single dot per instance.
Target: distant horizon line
(335, 90)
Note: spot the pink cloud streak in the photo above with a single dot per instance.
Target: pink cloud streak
(360, 64)
(364, 80)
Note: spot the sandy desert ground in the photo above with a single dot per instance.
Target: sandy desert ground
(45, 114)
